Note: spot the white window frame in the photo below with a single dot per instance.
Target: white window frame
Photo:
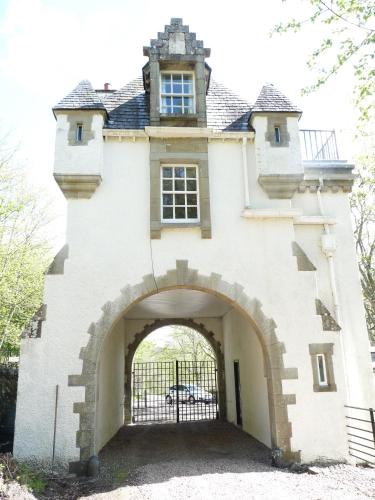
(173, 192)
(323, 382)
(162, 94)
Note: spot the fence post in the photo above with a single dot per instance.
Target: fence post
(372, 423)
(145, 398)
(177, 395)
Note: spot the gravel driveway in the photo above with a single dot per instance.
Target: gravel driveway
(213, 460)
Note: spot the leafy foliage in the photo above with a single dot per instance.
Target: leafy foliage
(11, 470)
(350, 27)
(24, 254)
(184, 344)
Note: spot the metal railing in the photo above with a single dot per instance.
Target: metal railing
(361, 433)
(319, 145)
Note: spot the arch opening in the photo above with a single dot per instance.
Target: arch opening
(174, 376)
(261, 359)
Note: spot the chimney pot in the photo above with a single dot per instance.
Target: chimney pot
(106, 86)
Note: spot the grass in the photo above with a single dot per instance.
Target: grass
(11, 470)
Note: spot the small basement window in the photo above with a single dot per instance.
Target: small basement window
(179, 193)
(79, 132)
(322, 370)
(277, 135)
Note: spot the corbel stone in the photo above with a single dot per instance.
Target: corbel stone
(281, 186)
(57, 265)
(34, 328)
(303, 262)
(329, 324)
(78, 185)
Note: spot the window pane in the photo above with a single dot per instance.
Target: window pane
(191, 172)
(166, 86)
(188, 88)
(191, 199)
(167, 172)
(177, 88)
(179, 185)
(177, 101)
(167, 199)
(191, 185)
(179, 199)
(322, 377)
(179, 172)
(167, 213)
(192, 213)
(180, 212)
(167, 185)
(177, 77)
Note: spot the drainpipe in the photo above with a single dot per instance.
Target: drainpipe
(245, 176)
(329, 248)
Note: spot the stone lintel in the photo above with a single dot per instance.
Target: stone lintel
(280, 186)
(78, 185)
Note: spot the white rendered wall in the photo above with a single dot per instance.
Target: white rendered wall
(78, 159)
(109, 248)
(241, 343)
(277, 159)
(110, 388)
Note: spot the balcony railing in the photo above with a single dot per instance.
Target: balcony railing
(319, 145)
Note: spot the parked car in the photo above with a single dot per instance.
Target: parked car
(189, 394)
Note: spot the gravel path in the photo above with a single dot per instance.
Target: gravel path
(214, 461)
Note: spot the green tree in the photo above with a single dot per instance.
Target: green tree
(362, 201)
(24, 253)
(346, 36)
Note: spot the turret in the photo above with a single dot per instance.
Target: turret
(79, 141)
(278, 154)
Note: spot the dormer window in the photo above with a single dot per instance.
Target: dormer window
(177, 93)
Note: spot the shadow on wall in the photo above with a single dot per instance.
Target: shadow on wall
(8, 398)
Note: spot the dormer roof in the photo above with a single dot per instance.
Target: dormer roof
(81, 97)
(271, 100)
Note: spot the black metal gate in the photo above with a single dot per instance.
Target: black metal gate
(174, 391)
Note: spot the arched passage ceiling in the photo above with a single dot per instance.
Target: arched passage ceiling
(181, 304)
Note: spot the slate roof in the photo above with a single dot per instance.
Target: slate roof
(271, 100)
(128, 107)
(81, 97)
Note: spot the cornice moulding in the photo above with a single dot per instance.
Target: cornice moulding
(176, 132)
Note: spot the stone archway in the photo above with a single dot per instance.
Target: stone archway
(184, 277)
(190, 323)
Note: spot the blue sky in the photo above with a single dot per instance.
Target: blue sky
(48, 46)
